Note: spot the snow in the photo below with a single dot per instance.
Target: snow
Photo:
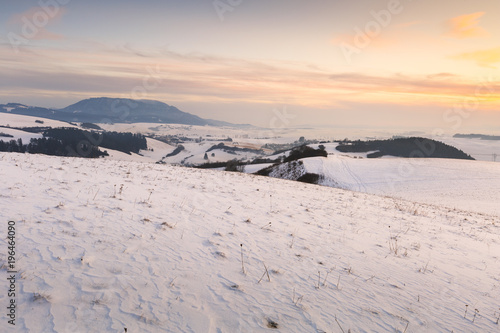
(18, 134)
(104, 245)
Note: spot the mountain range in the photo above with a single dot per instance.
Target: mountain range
(114, 110)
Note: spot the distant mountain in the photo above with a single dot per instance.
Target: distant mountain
(477, 136)
(21, 109)
(114, 110)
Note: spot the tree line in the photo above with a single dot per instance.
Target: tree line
(76, 142)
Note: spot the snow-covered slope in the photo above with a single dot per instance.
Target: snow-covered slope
(15, 120)
(104, 245)
(156, 150)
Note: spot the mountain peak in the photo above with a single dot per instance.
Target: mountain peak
(132, 111)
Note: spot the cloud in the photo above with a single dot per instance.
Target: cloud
(441, 76)
(32, 24)
(466, 26)
(484, 58)
(212, 79)
(412, 89)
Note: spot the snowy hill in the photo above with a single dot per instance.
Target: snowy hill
(104, 245)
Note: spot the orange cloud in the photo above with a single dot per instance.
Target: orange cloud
(466, 26)
(32, 23)
(484, 58)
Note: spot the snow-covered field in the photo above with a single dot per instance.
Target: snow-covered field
(104, 245)
(461, 184)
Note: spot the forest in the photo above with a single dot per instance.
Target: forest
(403, 147)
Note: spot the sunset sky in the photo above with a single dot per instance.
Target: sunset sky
(367, 63)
